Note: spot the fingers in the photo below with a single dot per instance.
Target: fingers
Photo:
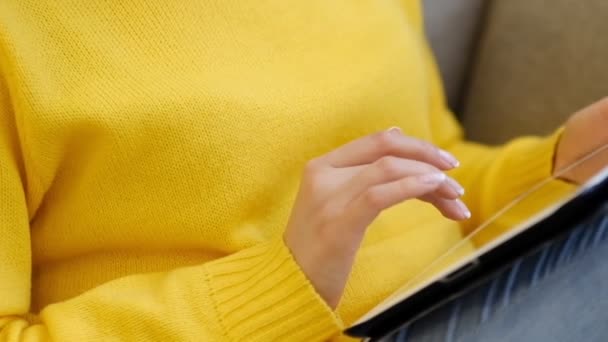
(372, 201)
(389, 143)
(453, 209)
(451, 189)
(389, 169)
(582, 136)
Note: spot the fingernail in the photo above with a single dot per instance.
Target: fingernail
(432, 178)
(394, 130)
(463, 209)
(449, 158)
(454, 184)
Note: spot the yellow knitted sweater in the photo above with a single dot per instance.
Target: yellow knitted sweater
(150, 152)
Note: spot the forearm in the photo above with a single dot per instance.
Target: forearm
(495, 176)
(255, 294)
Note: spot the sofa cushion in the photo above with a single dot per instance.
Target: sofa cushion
(452, 28)
(538, 61)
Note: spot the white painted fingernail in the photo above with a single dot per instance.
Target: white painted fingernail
(395, 129)
(449, 158)
(457, 187)
(463, 209)
(433, 178)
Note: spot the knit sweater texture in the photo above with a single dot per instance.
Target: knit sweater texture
(150, 153)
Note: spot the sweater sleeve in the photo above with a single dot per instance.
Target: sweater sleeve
(257, 294)
(493, 176)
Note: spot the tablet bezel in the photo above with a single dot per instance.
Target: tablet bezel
(489, 260)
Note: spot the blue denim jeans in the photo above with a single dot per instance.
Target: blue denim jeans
(558, 294)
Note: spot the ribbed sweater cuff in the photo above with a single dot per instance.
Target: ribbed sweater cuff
(261, 294)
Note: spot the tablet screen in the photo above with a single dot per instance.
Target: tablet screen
(497, 231)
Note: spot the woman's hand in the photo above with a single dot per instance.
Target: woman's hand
(584, 132)
(343, 191)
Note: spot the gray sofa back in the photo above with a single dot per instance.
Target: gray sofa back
(534, 64)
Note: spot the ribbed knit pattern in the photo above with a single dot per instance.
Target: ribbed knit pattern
(150, 152)
(265, 285)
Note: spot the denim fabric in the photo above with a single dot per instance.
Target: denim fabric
(558, 294)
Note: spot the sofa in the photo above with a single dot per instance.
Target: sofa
(517, 67)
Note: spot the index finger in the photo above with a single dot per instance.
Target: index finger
(392, 142)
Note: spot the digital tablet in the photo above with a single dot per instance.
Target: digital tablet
(407, 305)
